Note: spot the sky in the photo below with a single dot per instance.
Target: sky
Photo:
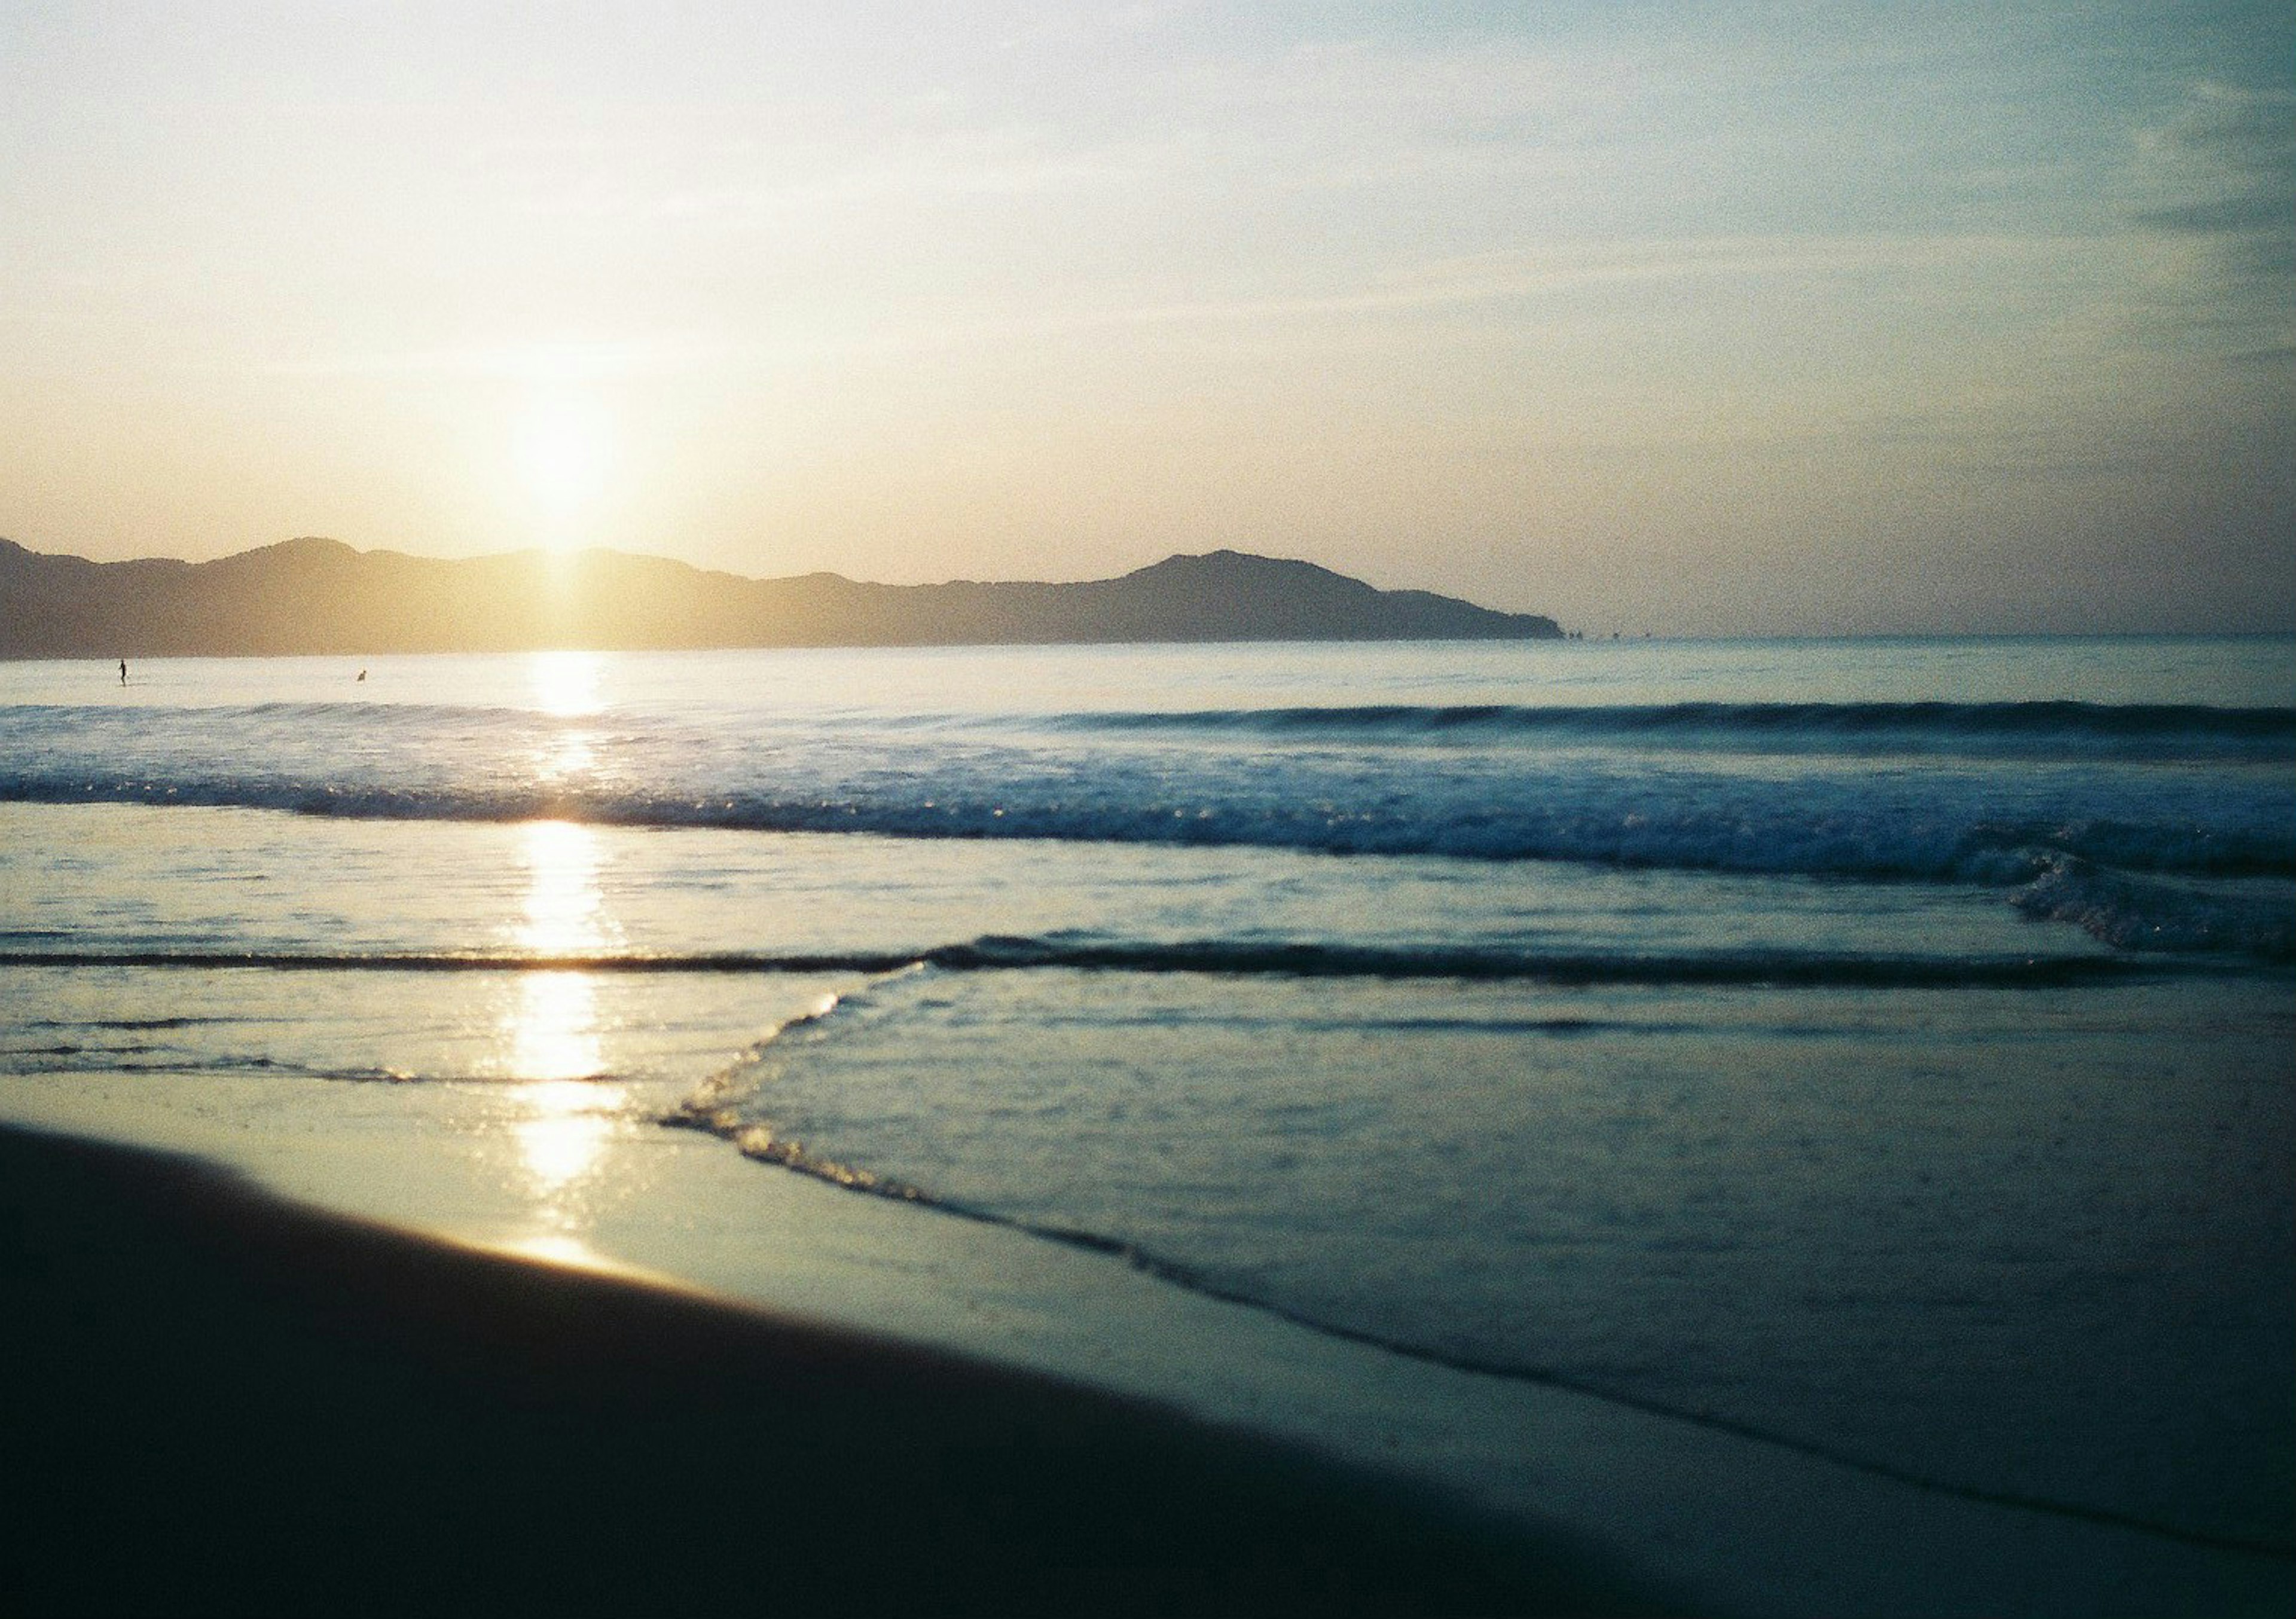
(1670, 318)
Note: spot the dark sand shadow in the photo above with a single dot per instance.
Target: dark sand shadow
(217, 1402)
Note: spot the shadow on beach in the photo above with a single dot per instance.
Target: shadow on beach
(220, 1402)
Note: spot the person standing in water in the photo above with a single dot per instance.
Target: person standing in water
(123, 671)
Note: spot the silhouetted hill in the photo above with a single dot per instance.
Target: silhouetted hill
(314, 595)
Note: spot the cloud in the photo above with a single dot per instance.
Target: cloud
(1518, 274)
(2222, 173)
(953, 165)
(526, 363)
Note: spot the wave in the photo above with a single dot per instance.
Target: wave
(131, 1024)
(97, 1057)
(1777, 969)
(453, 962)
(2043, 729)
(1824, 829)
(301, 712)
(2180, 790)
(2137, 912)
(2053, 729)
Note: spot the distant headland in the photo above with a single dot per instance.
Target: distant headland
(322, 596)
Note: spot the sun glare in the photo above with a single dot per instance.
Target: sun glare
(564, 448)
(565, 686)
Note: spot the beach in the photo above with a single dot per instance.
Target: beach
(1551, 1501)
(227, 1403)
(1706, 1129)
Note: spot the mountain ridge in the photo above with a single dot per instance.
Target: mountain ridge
(312, 596)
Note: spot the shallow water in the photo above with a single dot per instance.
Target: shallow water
(1882, 1047)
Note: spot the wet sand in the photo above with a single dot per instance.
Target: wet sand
(218, 1402)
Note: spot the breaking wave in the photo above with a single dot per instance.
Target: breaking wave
(2116, 818)
(2042, 730)
(1784, 969)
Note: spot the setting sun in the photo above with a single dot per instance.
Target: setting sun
(564, 450)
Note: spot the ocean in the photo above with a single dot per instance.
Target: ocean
(1879, 1049)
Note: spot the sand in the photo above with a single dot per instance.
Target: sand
(222, 1401)
(766, 1489)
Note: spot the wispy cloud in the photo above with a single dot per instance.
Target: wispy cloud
(1529, 273)
(2222, 174)
(953, 165)
(518, 363)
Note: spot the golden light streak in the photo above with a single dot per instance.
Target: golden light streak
(554, 1038)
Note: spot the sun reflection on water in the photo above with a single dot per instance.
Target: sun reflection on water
(553, 1037)
(565, 1132)
(565, 684)
(566, 756)
(563, 904)
(553, 1028)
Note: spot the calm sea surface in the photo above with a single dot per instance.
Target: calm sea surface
(1882, 1047)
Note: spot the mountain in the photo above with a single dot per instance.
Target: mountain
(315, 595)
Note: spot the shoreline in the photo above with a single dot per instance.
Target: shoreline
(237, 1403)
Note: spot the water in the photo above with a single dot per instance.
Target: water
(1880, 1047)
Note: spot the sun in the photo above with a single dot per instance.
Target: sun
(564, 449)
